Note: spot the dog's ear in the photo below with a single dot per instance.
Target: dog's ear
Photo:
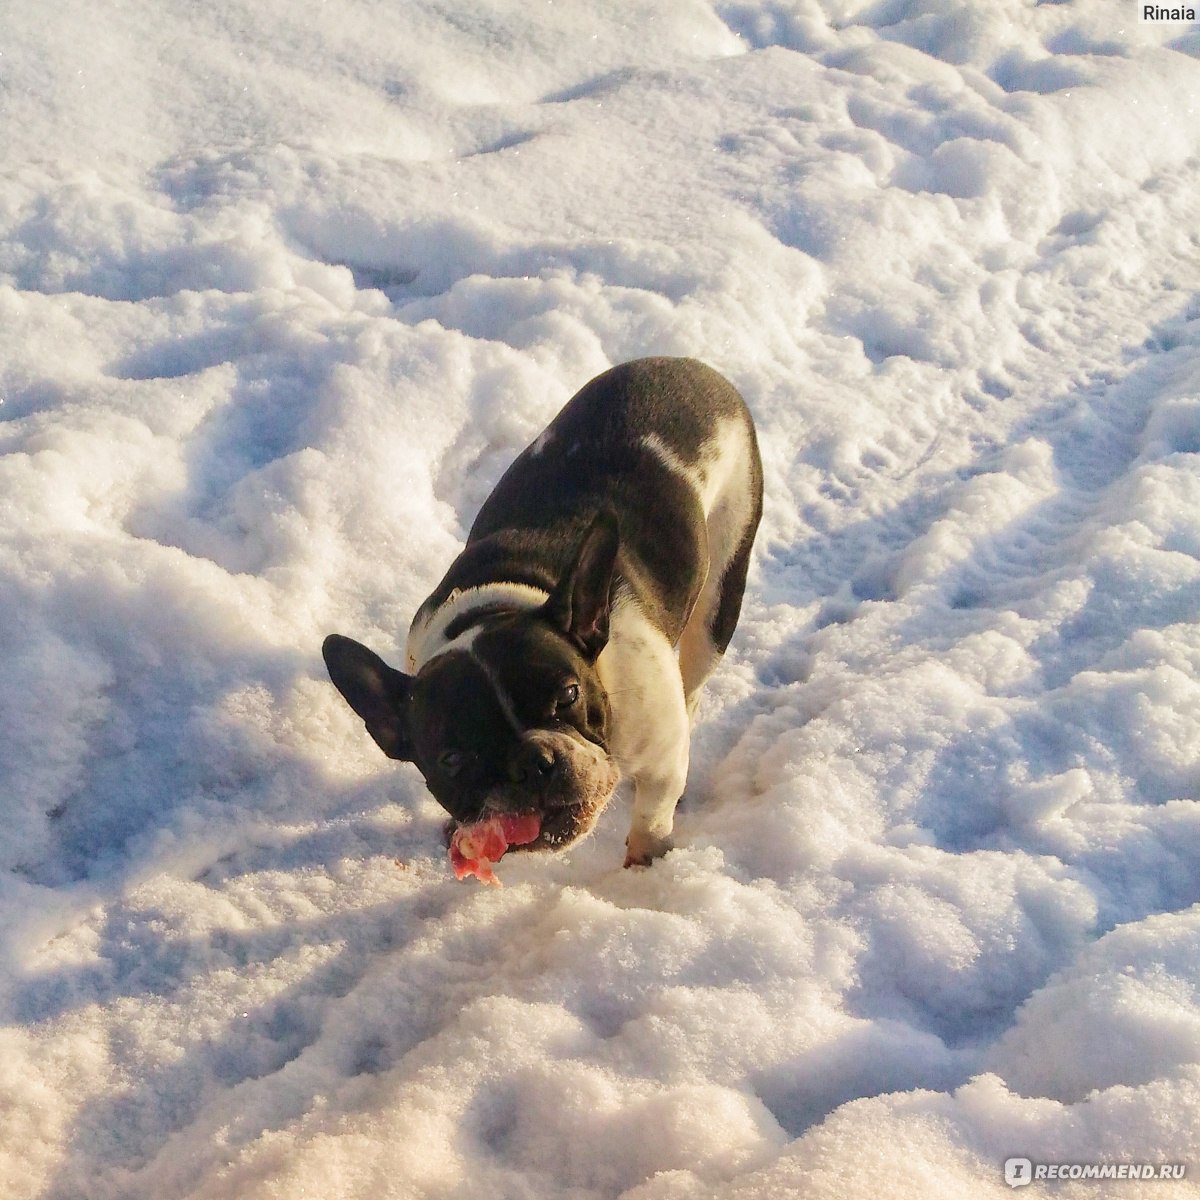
(377, 692)
(580, 605)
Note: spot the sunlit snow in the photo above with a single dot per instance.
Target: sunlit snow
(285, 286)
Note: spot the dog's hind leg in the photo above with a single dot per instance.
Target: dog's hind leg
(710, 629)
(698, 651)
(730, 493)
(731, 528)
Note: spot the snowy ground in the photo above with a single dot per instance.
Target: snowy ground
(284, 287)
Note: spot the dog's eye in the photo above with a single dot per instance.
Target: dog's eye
(452, 761)
(567, 696)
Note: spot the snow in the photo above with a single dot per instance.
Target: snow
(286, 286)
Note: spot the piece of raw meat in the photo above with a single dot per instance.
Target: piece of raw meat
(474, 848)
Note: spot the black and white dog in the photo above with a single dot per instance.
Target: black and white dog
(599, 586)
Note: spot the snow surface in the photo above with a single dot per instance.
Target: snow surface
(285, 286)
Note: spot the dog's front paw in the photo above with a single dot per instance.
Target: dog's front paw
(641, 849)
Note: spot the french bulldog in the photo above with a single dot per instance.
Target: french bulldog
(599, 586)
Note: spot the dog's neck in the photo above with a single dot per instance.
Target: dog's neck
(453, 623)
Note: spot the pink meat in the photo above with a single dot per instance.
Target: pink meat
(473, 848)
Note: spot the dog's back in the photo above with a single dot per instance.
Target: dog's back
(665, 444)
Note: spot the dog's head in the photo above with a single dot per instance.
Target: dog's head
(512, 717)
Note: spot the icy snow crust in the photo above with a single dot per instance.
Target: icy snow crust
(285, 286)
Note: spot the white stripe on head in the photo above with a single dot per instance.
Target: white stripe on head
(427, 637)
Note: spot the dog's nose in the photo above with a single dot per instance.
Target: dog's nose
(533, 764)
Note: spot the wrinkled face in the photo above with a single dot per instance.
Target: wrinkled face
(514, 719)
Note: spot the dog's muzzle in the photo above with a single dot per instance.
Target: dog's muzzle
(562, 777)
